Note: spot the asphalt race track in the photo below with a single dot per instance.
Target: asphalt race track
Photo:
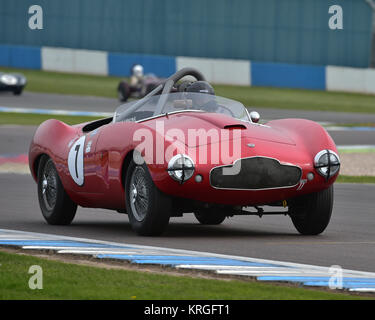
(349, 240)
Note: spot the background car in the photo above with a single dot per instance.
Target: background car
(126, 90)
(14, 82)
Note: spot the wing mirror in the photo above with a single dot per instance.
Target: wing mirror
(254, 116)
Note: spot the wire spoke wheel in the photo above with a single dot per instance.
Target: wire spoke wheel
(139, 194)
(49, 186)
(56, 206)
(148, 208)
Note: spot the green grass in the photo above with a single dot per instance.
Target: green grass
(355, 179)
(299, 99)
(70, 281)
(68, 83)
(350, 125)
(36, 119)
(356, 150)
(65, 83)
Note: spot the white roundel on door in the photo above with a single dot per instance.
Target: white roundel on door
(75, 161)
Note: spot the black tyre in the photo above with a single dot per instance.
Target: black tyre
(210, 216)
(17, 91)
(57, 208)
(148, 208)
(311, 213)
(123, 91)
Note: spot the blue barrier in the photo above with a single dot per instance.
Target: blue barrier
(288, 75)
(20, 57)
(120, 64)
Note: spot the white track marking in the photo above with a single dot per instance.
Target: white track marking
(272, 268)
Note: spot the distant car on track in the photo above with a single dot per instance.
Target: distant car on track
(181, 149)
(14, 82)
(126, 90)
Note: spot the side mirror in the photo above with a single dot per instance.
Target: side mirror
(254, 116)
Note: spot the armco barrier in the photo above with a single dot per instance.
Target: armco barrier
(287, 75)
(72, 60)
(20, 57)
(219, 71)
(350, 79)
(224, 71)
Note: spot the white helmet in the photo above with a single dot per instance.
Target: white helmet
(138, 70)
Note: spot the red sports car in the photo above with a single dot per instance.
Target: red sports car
(180, 150)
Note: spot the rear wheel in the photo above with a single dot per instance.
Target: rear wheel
(56, 206)
(148, 208)
(311, 213)
(210, 216)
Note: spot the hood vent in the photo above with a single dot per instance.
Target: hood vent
(235, 126)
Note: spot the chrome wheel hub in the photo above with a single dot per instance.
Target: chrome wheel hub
(44, 184)
(134, 193)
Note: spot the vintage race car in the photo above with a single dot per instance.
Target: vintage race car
(13, 82)
(182, 152)
(125, 90)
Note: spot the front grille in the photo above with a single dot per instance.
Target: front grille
(255, 173)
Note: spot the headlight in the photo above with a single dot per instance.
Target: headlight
(8, 79)
(327, 163)
(181, 168)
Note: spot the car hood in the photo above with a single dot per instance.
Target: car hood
(202, 123)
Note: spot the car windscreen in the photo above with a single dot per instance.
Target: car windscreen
(181, 101)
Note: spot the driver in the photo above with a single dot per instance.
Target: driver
(205, 100)
(136, 78)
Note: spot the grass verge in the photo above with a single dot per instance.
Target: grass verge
(71, 281)
(36, 119)
(105, 86)
(68, 83)
(355, 179)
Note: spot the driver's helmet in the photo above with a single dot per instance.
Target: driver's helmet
(137, 71)
(206, 98)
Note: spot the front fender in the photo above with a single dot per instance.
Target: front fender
(52, 138)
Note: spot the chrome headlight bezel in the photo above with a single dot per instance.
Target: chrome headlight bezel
(181, 167)
(327, 163)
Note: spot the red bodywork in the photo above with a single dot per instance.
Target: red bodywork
(291, 141)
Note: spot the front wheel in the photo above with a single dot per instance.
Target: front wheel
(17, 91)
(311, 213)
(148, 208)
(123, 91)
(56, 206)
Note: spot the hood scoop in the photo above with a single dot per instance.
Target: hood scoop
(235, 126)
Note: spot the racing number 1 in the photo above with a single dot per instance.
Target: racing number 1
(75, 161)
